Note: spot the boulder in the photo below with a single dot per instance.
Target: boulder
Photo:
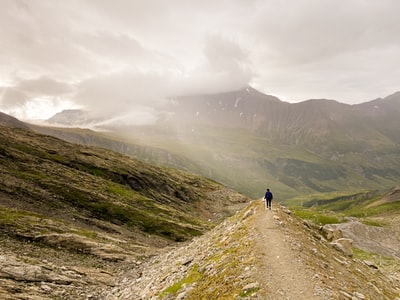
(331, 232)
(344, 245)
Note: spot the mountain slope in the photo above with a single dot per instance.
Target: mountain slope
(72, 216)
(249, 141)
(9, 121)
(246, 108)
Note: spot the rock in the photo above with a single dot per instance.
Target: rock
(344, 246)
(331, 232)
(346, 295)
(249, 213)
(342, 262)
(370, 264)
(181, 296)
(20, 271)
(46, 288)
(307, 224)
(357, 295)
(250, 286)
(375, 239)
(186, 261)
(84, 245)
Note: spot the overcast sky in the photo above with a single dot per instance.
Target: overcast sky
(120, 56)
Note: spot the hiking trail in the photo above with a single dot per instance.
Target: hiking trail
(282, 272)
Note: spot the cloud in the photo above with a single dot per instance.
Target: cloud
(126, 54)
(37, 98)
(11, 97)
(121, 91)
(43, 86)
(225, 67)
(39, 39)
(26, 90)
(325, 49)
(225, 55)
(310, 31)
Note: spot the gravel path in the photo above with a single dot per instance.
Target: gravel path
(283, 273)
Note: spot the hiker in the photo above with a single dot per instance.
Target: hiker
(268, 198)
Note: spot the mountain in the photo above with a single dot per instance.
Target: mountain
(249, 140)
(246, 108)
(72, 217)
(310, 123)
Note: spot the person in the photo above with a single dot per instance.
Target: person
(268, 198)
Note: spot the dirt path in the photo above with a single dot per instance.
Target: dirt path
(283, 273)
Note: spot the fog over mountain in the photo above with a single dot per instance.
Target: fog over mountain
(128, 57)
(245, 108)
(247, 139)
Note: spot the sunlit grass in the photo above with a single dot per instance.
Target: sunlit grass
(336, 207)
(379, 260)
(318, 217)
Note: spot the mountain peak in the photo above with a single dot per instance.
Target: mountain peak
(69, 117)
(393, 97)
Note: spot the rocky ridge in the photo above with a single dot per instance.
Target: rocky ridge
(258, 254)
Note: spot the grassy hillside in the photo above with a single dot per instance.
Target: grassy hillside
(250, 162)
(370, 207)
(47, 173)
(69, 211)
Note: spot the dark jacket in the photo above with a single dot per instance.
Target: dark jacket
(268, 195)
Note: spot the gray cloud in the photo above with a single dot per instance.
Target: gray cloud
(132, 54)
(225, 66)
(44, 86)
(39, 39)
(11, 97)
(24, 90)
(118, 92)
(225, 55)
